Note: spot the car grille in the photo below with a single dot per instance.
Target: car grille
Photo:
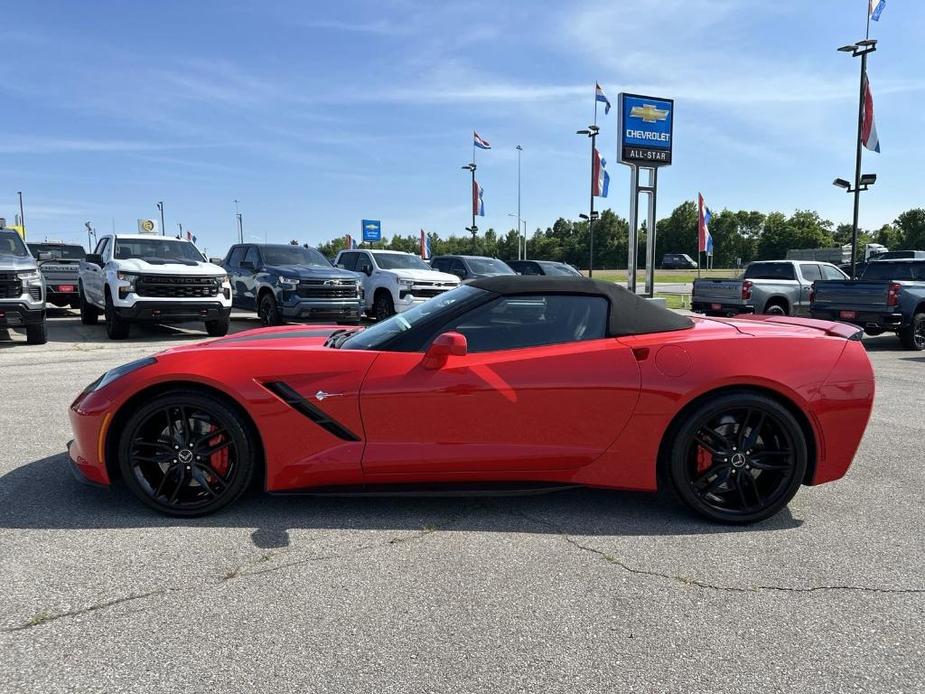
(327, 289)
(10, 286)
(431, 289)
(176, 287)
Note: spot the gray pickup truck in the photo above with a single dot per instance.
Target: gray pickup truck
(776, 287)
(22, 289)
(283, 282)
(60, 267)
(889, 296)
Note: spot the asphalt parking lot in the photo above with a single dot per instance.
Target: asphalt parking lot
(583, 591)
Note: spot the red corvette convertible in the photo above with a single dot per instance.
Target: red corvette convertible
(508, 384)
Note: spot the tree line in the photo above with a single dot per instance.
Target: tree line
(741, 236)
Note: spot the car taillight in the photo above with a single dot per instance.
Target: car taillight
(747, 290)
(892, 294)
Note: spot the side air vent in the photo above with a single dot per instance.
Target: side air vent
(292, 398)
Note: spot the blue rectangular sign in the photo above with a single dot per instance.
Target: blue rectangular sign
(372, 229)
(646, 130)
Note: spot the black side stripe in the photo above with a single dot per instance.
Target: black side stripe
(303, 406)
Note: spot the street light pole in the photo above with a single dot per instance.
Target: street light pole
(860, 49)
(591, 131)
(525, 239)
(22, 216)
(160, 206)
(240, 222)
(471, 167)
(519, 151)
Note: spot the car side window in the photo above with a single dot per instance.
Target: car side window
(811, 273)
(832, 273)
(237, 255)
(439, 264)
(457, 267)
(103, 249)
(252, 256)
(347, 260)
(531, 269)
(364, 264)
(514, 322)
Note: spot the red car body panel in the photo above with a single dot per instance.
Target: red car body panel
(592, 413)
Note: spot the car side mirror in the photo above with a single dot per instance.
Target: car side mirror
(341, 266)
(444, 346)
(44, 255)
(367, 270)
(216, 261)
(461, 274)
(95, 259)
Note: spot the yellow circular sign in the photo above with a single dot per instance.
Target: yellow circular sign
(147, 225)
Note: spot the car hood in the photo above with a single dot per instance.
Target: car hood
(169, 267)
(424, 275)
(311, 272)
(15, 262)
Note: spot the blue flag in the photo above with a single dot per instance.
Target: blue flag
(876, 9)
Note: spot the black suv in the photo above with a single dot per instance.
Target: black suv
(678, 261)
(543, 267)
(281, 282)
(469, 267)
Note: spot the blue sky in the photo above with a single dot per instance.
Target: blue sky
(315, 115)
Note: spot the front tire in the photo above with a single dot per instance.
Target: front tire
(217, 327)
(116, 328)
(268, 311)
(37, 334)
(383, 306)
(913, 335)
(739, 457)
(186, 454)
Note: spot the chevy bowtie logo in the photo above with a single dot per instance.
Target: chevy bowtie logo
(649, 113)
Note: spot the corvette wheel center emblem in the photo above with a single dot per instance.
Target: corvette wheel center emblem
(738, 460)
(185, 456)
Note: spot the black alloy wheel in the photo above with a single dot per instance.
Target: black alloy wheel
(739, 458)
(913, 335)
(268, 311)
(383, 307)
(186, 454)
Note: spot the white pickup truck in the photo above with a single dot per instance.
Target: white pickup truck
(150, 278)
(394, 281)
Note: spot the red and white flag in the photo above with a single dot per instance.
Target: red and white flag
(868, 126)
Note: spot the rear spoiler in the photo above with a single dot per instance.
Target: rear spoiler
(831, 328)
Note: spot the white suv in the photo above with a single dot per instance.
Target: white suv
(146, 277)
(394, 281)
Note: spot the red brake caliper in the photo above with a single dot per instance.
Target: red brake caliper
(704, 459)
(219, 459)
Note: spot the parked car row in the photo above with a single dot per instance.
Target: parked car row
(888, 296)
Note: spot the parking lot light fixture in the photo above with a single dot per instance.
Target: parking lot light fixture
(841, 183)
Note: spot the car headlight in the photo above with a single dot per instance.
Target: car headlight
(128, 277)
(113, 375)
(29, 276)
(406, 284)
(289, 282)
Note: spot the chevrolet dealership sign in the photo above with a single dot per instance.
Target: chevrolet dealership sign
(646, 130)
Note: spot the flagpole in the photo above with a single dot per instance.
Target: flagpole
(868, 19)
(595, 103)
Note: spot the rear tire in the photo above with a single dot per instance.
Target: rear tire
(116, 328)
(89, 315)
(180, 469)
(913, 335)
(776, 308)
(218, 327)
(37, 334)
(268, 311)
(739, 457)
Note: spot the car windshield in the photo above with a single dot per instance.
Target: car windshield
(769, 271)
(11, 244)
(380, 333)
(400, 261)
(293, 255)
(894, 271)
(560, 269)
(489, 266)
(58, 251)
(160, 248)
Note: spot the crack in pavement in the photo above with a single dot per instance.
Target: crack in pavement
(698, 583)
(239, 572)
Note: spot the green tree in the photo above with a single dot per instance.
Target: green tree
(911, 225)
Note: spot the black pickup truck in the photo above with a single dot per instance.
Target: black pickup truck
(287, 282)
(889, 296)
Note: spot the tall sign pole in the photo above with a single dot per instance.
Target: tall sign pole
(519, 152)
(645, 143)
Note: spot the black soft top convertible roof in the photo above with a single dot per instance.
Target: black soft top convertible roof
(629, 314)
